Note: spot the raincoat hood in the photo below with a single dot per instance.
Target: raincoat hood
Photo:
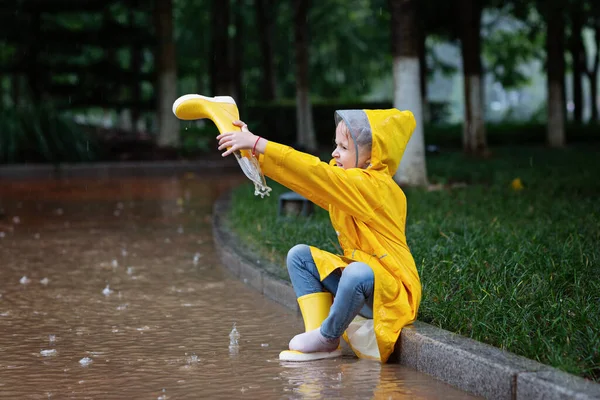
(390, 131)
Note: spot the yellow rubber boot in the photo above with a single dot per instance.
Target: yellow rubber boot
(315, 309)
(222, 110)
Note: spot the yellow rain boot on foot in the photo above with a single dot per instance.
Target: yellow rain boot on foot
(315, 309)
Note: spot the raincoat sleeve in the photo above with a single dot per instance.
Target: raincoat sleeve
(352, 191)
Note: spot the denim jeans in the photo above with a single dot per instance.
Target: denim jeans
(352, 289)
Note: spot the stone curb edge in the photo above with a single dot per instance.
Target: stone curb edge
(464, 363)
(109, 169)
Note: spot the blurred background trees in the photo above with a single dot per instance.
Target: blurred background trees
(489, 72)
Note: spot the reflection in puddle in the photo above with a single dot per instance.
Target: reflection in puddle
(111, 289)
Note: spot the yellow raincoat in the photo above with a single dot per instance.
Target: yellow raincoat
(368, 212)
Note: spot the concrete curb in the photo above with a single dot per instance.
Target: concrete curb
(111, 169)
(459, 361)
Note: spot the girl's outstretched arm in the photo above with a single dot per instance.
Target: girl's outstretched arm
(353, 190)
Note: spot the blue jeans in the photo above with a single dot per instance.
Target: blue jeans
(352, 289)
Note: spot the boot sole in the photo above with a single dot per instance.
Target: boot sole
(187, 97)
(292, 355)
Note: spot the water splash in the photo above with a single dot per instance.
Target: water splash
(192, 359)
(197, 258)
(44, 281)
(234, 337)
(48, 353)
(24, 280)
(85, 361)
(107, 290)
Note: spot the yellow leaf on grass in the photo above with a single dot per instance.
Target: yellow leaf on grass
(517, 184)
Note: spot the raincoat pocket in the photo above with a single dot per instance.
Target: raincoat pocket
(360, 335)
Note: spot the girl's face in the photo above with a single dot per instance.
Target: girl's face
(345, 151)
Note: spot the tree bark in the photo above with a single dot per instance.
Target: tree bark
(168, 124)
(555, 76)
(592, 74)
(220, 67)
(264, 21)
(237, 56)
(33, 72)
(407, 88)
(423, 72)
(136, 66)
(474, 135)
(304, 122)
(577, 56)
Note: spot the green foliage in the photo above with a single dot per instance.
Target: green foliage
(197, 138)
(42, 135)
(515, 269)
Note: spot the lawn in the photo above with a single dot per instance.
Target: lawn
(518, 269)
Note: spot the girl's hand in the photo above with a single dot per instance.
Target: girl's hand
(240, 140)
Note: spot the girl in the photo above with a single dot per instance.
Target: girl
(375, 278)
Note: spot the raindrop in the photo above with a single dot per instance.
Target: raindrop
(36, 236)
(167, 240)
(85, 361)
(2, 234)
(107, 291)
(52, 338)
(115, 263)
(180, 229)
(163, 396)
(59, 211)
(44, 281)
(124, 252)
(16, 220)
(48, 353)
(24, 280)
(264, 345)
(130, 270)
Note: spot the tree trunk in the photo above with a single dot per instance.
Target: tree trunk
(474, 135)
(33, 71)
(304, 123)
(264, 21)
(220, 67)
(555, 79)
(136, 66)
(16, 89)
(407, 88)
(237, 57)
(592, 74)
(168, 124)
(423, 72)
(578, 57)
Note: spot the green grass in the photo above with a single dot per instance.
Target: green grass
(516, 269)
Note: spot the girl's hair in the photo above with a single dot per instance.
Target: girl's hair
(358, 126)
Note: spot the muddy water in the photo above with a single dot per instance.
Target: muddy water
(110, 288)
